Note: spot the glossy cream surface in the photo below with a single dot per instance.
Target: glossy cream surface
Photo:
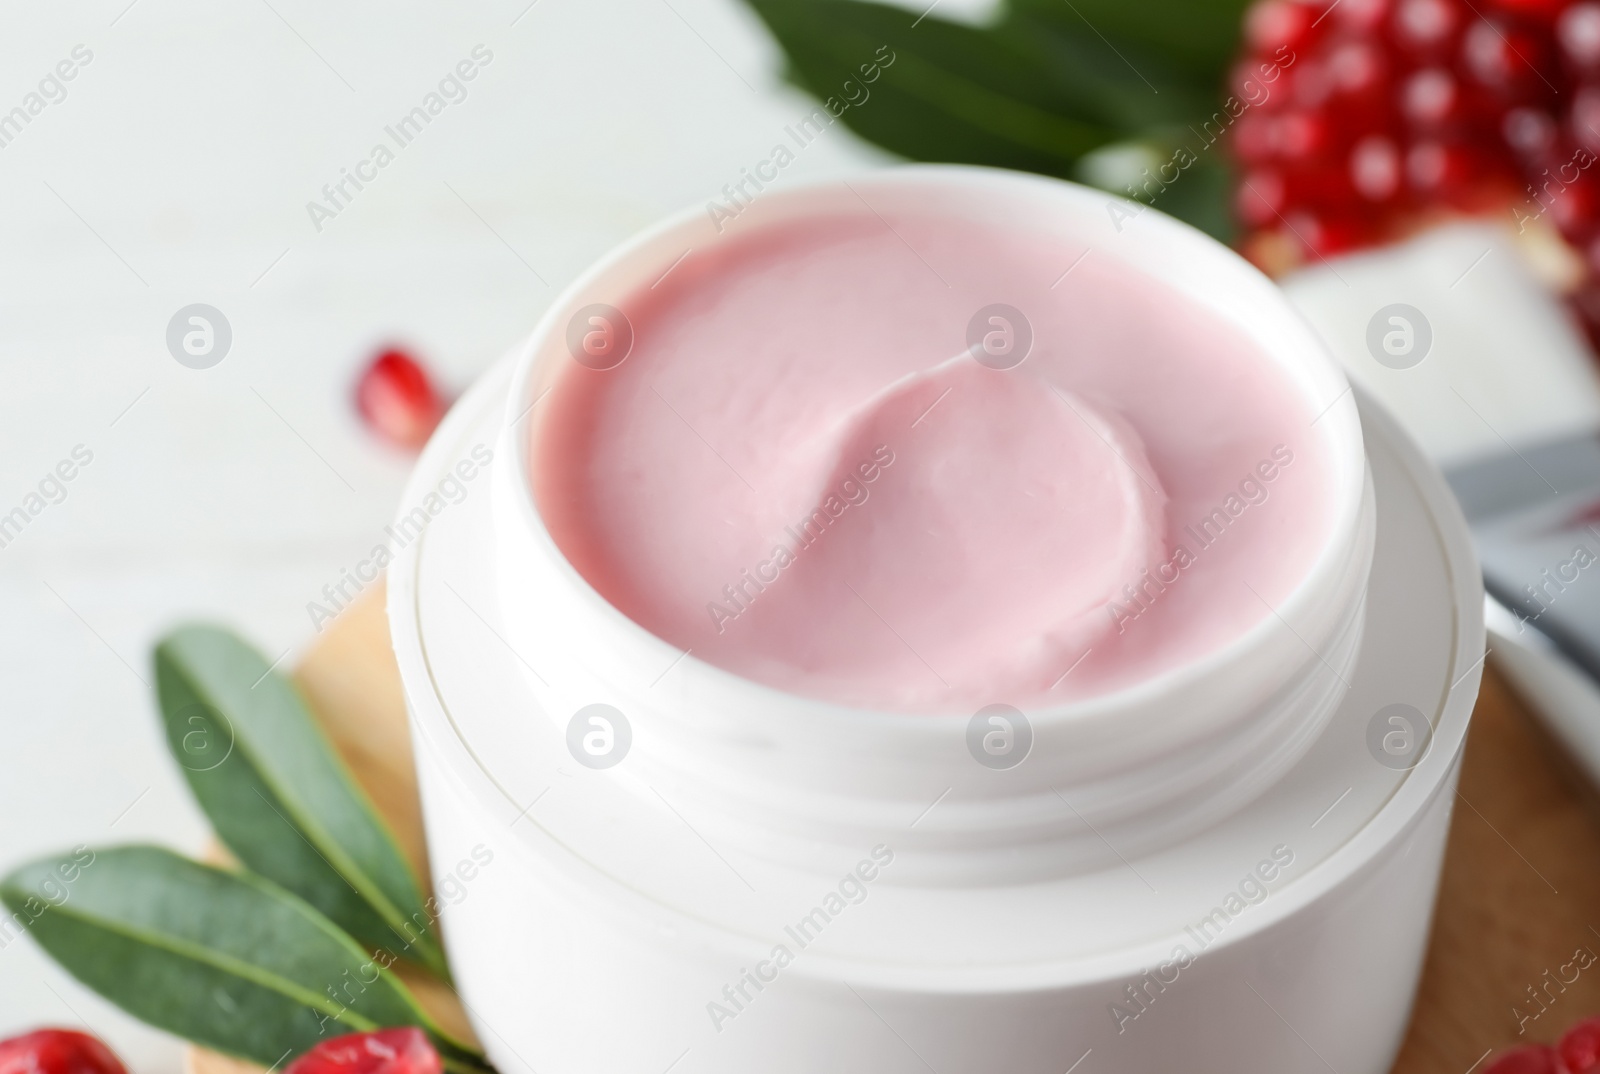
(803, 473)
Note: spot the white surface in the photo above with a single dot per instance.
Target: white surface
(1507, 363)
(177, 170)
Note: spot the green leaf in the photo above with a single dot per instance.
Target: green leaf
(279, 796)
(1200, 196)
(1037, 91)
(1132, 89)
(223, 959)
(1195, 38)
(943, 92)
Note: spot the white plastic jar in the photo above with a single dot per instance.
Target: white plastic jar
(1229, 866)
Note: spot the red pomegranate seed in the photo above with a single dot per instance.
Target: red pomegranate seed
(1323, 235)
(1252, 137)
(1300, 136)
(398, 400)
(1451, 173)
(1578, 32)
(1309, 83)
(1527, 1059)
(1273, 24)
(1501, 56)
(1580, 1047)
(1375, 168)
(1584, 117)
(1529, 131)
(57, 1051)
(1430, 97)
(385, 1051)
(1356, 69)
(1426, 25)
(1430, 165)
(1361, 17)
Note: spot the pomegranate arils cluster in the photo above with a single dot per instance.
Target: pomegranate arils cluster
(1385, 115)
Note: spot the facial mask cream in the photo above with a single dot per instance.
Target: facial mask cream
(802, 473)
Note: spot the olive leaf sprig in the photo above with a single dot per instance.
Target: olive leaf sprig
(290, 949)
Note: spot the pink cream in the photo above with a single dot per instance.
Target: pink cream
(800, 475)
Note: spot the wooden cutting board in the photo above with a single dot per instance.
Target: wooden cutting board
(1521, 889)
